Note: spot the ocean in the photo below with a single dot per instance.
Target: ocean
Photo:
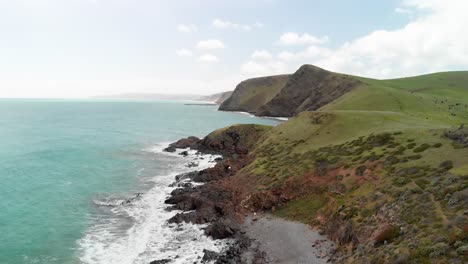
(83, 181)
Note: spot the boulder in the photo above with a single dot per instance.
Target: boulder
(190, 142)
(160, 261)
(222, 228)
(209, 255)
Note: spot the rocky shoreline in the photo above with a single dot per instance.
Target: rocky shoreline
(211, 203)
(217, 204)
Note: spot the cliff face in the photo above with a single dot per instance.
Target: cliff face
(308, 89)
(236, 139)
(379, 171)
(251, 94)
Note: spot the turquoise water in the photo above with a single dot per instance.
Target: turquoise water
(57, 157)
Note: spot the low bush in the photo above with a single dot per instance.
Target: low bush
(421, 148)
(360, 170)
(414, 157)
(446, 165)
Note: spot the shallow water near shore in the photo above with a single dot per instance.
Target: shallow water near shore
(84, 181)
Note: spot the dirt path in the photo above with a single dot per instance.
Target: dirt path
(438, 207)
(288, 242)
(439, 210)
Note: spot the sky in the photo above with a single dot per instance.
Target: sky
(84, 48)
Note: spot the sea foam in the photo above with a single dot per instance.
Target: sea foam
(148, 237)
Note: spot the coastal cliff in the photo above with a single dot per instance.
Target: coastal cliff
(380, 170)
(251, 94)
(308, 89)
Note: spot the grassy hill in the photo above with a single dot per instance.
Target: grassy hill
(308, 89)
(440, 97)
(374, 168)
(250, 94)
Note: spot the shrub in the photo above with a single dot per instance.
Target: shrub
(422, 183)
(366, 212)
(446, 165)
(421, 148)
(401, 181)
(379, 140)
(390, 160)
(462, 250)
(360, 170)
(414, 157)
(439, 249)
(437, 145)
(411, 145)
(399, 151)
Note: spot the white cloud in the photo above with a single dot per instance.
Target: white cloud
(293, 38)
(310, 53)
(208, 58)
(401, 10)
(436, 40)
(184, 52)
(262, 63)
(261, 55)
(253, 68)
(259, 25)
(187, 28)
(223, 24)
(210, 44)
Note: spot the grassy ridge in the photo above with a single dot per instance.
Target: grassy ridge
(374, 169)
(250, 94)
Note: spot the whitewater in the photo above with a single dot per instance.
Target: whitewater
(84, 181)
(150, 237)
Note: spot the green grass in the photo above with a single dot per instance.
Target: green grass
(411, 114)
(440, 104)
(303, 209)
(256, 92)
(259, 95)
(378, 106)
(341, 126)
(460, 170)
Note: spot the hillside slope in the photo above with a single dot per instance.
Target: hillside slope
(439, 95)
(382, 170)
(308, 89)
(250, 94)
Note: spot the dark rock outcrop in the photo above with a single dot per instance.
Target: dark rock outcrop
(341, 231)
(160, 261)
(237, 139)
(190, 142)
(214, 203)
(308, 89)
(209, 255)
(459, 136)
(222, 228)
